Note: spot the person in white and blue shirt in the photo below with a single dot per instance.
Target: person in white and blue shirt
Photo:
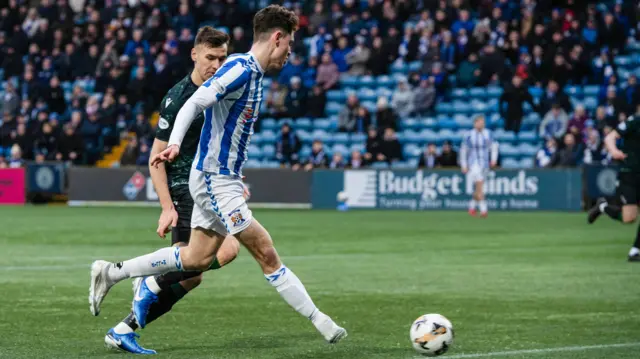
(478, 154)
(230, 101)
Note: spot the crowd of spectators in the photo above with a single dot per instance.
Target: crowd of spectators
(123, 55)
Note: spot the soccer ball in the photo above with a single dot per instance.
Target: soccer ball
(342, 196)
(431, 335)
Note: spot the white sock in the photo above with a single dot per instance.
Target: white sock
(634, 251)
(152, 284)
(473, 204)
(483, 206)
(603, 206)
(122, 328)
(162, 261)
(292, 291)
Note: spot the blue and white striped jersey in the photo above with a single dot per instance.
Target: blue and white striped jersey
(231, 101)
(478, 149)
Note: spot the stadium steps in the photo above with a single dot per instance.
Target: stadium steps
(113, 158)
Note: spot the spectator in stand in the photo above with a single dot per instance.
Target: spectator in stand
(546, 154)
(288, 146)
(46, 143)
(468, 71)
(275, 100)
(348, 115)
(514, 97)
(310, 73)
(552, 95)
(142, 128)
(448, 156)
(316, 102)
(358, 58)
(374, 146)
(379, 60)
(54, 96)
(391, 149)
(594, 152)
(554, 124)
(131, 152)
(339, 55)
(613, 104)
(293, 68)
(578, 120)
(296, 101)
(10, 100)
(16, 160)
(491, 65)
(568, 156)
(143, 154)
(385, 116)
(403, 99)
(239, 43)
(429, 158)
(424, 97)
(318, 158)
(70, 145)
(328, 73)
(631, 94)
(337, 161)
(356, 161)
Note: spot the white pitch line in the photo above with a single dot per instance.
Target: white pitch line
(542, 351)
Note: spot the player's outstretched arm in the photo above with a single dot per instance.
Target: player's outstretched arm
(169, 216)
(610, 144)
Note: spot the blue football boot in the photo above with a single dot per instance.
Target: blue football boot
(125, 342)
(142, 299)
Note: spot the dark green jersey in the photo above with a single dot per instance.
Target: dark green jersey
(178, 170)
(630, 133)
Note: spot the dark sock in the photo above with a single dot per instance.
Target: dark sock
(166, 300)
(215, 265)
(165, 281)
(637, 242)
(614, 212)
(130, 320)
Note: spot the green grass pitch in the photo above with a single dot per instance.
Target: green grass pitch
(510, 283)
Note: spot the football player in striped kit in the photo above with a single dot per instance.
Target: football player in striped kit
(230, 101)
(478, 154)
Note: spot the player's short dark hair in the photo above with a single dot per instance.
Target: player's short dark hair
(274, 17)
(211, 37)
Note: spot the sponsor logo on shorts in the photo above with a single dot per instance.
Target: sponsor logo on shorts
(236, 218)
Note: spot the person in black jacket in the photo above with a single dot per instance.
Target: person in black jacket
(54, 96)
(288, 146)
(448, 157)
(390, 146)
(69, 145)
(429, 158)
(514, 98)
(554, 95)
(316, 102)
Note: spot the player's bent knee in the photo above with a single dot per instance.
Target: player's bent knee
(229, 251)
(192, 282)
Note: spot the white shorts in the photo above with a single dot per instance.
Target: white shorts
(476, 174)
(219, 204)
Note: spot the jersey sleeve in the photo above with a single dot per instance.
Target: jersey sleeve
(229, 78)
(168, 113)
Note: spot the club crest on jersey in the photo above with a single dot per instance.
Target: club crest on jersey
(248, 115)
(236, 218)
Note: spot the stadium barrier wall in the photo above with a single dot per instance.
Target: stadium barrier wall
(12, 186)
(600, 181)
(46, 178)
(555, 189)
(270, 188)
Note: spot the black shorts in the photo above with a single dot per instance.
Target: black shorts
(183, 204)
(628, 184)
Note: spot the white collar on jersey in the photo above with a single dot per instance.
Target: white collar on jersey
(255, 59)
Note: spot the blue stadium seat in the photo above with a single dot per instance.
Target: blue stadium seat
(341, 138)
(494, 91)
(334, 108)
(333, 123)
(268, 136)
(366, 81)
(305, 136)
(622, 60)
(348, 81)
(268, 124)
(385, 81)
(528, 149)
(427, 136)
(463, 121)
(370, 106)
(268, 151)
(413, 162)
(251, 163)
(399, 68)
(360, 147)
(380, 165)
(358, 138)
(527, 162)
(415, 65)
(367, 94)
(536, 92)
(336, 96)
(255, 152)
(510, 163)
(401, 165)
(461, 107)
(591, 103)
(410, 136)
(478, 106)
(446, 134)
(444, 108)
(270, 164)
(591, 90)
(477, 93)
(448, 124)
(303, 123)
(305, 152)
(428, 122)
(411, 150)
(460, 93)
(456, 137)
(409, 123)
(530, 137)
(573, 91)
(504, 137)
(384, 92)
(340, 148)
